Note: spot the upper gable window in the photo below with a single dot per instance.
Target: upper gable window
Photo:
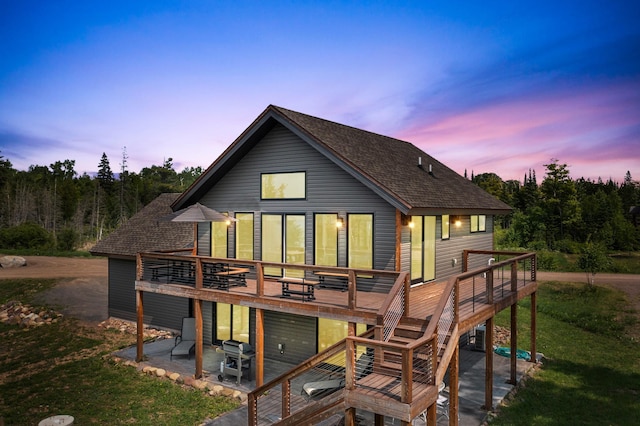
(478, 223)
(284, 186)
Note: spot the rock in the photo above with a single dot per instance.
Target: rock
(174, 376)
(160, 372)
(12, 261)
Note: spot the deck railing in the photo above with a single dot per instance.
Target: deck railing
(395, 306)
(202, 272)
(504, 272)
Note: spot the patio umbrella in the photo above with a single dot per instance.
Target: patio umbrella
(197, 213)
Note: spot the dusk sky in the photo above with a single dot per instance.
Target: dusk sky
(493, 86)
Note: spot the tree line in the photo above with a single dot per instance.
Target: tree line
(563, 214)
(54, 207)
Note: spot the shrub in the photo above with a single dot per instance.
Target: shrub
(26, 236)
(67, 240)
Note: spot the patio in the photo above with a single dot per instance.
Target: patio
(471, 392)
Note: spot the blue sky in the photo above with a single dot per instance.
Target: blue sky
(497, 86)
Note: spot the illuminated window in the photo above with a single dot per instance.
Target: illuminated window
(331, 331)
(423, 248)
(445, 227)
(232, 322)
(244, 236)
(478, 223)
(219, 239)
(326, 240)
(360, 241)
(284, 186)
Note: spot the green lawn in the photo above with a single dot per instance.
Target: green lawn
(61, 369)
(592, 371)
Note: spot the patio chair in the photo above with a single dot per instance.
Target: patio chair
(186, 341)
(364, 366)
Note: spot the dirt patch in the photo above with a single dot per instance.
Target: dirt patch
(82, 290)
(58, 267)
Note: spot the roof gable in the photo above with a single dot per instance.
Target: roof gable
(388, 166)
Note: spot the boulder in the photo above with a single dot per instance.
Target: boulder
(12, 261)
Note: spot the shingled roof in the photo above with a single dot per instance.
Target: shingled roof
(399, 171)
(145, 232)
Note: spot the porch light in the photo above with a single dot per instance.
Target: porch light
(228, 222)
(411, 224)
(457, 222)
(339, 222)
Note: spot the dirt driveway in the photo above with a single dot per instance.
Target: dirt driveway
(81, 292)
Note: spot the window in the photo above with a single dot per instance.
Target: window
(283, 186)
(360, 241)
(445, 227)
(244, 236)
(478, 223)
(326, 239)
(283, 241)
(423, 248)
(219, 239)
(232, 322)
(331, 331)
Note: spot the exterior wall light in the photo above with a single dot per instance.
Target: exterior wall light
(339, 222)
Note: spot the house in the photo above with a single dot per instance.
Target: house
(145, 231)
(334, 232)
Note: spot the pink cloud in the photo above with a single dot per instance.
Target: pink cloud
(594, 131)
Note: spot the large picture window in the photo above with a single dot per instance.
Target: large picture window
(331, 331)
(283, 186)
(232, 322)
(244, 236)
(219, 239)
(360, 241)
(326, 239)
(423, 248)
(283, 240)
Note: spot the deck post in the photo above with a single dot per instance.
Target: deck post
(352, 289)
(259, 347)
(488, 379)
(514, 344)
(453, 386)
(198, 315)
(489, 278)
(534, 355)
(140, 328)
(350, 417)
(286, 398)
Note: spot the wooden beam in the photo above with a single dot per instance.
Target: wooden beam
(454, 372)
(197, 305)
(286, 399)
(488, 379)
(259, 359)
(140, 328)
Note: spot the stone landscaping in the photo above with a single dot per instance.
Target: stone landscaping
(26, 316)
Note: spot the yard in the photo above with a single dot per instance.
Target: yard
(589, 337)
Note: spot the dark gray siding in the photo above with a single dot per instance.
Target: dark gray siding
(159, 310)
(447, 250)
(297, 333)
(461, 239)
(329, 190)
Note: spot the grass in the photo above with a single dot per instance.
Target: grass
(592, 371)
(62, 369)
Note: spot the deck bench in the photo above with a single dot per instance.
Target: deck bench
(306, 290)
